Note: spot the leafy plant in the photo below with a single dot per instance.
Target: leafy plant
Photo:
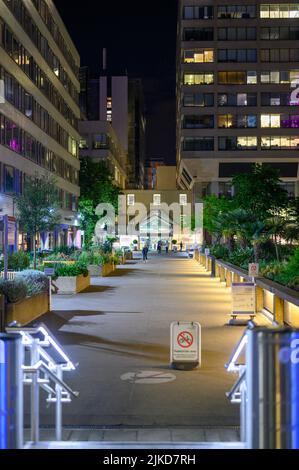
(72, 270)
(220, 252)
(36, 281)
(242, 257)
(38, 206)
(14, 290)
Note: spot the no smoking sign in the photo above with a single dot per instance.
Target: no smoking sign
(185, 340)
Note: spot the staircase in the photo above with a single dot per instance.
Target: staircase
(140, 438)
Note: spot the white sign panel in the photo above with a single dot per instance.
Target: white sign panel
(243, 298)
(185, 342)
(253, 269)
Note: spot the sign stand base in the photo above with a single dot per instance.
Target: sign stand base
(187, 366)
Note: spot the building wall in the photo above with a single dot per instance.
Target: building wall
(41, 109)
(211, 147)
(100, 142)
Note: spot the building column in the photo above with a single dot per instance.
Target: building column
(215, 187)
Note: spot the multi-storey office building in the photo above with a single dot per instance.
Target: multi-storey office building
(237, 73)
(118, 100)
(39, 66)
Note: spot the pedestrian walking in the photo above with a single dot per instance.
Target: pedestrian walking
(145, 253)
(159, 247)
(167, 248)
(181, 245)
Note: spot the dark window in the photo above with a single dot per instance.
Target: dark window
(199, 34)
(229, 170)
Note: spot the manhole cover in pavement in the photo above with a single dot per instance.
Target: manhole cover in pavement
(148, 377)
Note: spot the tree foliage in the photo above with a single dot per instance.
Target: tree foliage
(38, 206)
(97, 187)
(260, 191)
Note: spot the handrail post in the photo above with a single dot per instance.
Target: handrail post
(58, 410)
(35, 394)
(243, 412)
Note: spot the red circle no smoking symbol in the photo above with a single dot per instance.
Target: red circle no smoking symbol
(185, 339)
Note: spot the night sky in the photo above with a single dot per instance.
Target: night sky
(140, 37)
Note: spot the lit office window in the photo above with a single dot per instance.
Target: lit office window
(131, 199)
(270, 121)
(109, 109)
(280, 143)
(276, 11)
(100, 141)
(198, 56)
(183, 199)
(83, 144)
(198, 78)
(157, 199)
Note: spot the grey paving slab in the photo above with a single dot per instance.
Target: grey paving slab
(120, 435)
(122, 325)
(188, 435)
(154, 435)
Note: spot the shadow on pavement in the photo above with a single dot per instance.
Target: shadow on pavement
(122, 272)
(92, 289)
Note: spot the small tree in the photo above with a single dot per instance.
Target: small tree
(260, 192)
(38, 207)
(97, 187)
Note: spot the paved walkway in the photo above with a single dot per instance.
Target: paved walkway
(121, 324)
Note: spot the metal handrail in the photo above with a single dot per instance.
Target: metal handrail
(37, 340)
(232, 365)
(42, 366)
(49, 340)
(231, 395)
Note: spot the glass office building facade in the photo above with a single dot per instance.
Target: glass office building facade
(237, 76)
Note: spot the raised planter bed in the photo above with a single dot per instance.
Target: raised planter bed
(71, 284)
(100, 271)
(27, 310)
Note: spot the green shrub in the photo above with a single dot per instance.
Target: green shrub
(220, 252)
(36, 281)
(271, 270)
(18, 261)
(77, 269)
(58, 256)
(65, 250)
(242, 257)
(14, 291)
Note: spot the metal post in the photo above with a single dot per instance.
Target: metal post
(243, 412)
(2, 314)
(272, 378)
(58, 410)
(35, 394)
(5, 245)
(11, 392)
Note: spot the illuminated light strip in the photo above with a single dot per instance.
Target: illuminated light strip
(57, 347)
(3, 435)
(232, 367)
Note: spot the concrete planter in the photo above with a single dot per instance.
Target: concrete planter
(28, 309)
(107, 269)
(95, 270)
(71, 284)
(129, 255)
(100, 271)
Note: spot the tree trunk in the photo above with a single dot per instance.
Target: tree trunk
(34, 251)
(257, 250)
(276, 248)
(231, 244)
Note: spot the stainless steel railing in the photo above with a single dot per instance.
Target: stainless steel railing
(43, 365)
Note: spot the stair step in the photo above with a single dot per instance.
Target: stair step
(135, 445)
